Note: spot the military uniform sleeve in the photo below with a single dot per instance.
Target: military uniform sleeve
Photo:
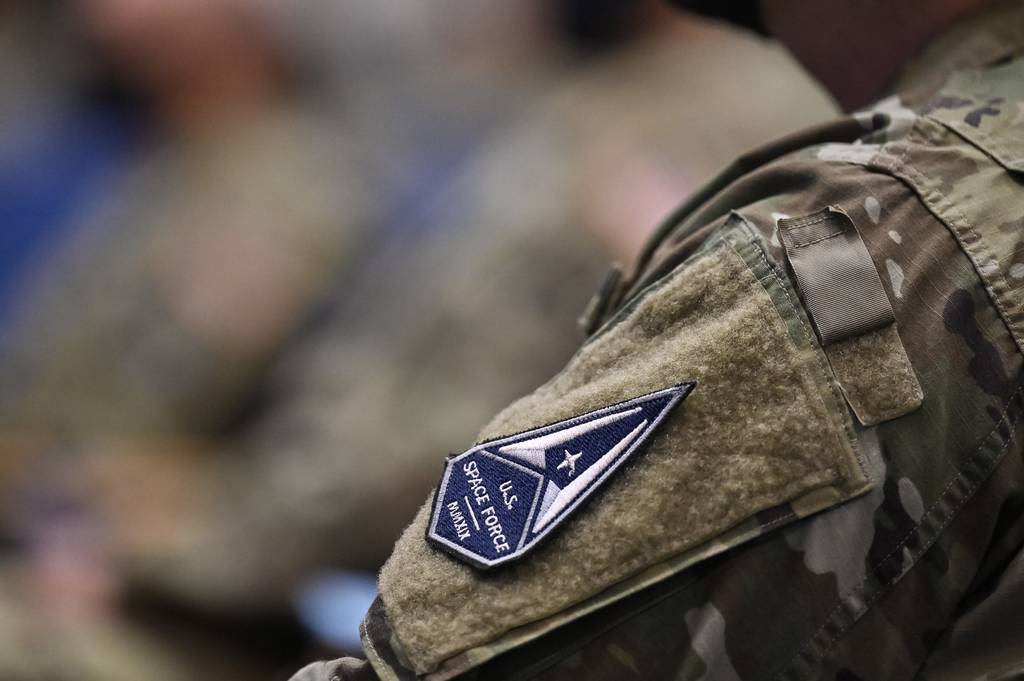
(798, 422)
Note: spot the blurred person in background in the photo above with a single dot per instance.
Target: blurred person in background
(246, 355)
(61, 145)
(343, 418)
(470, 296)
(241, 197)
(157, 317)
(136, 374)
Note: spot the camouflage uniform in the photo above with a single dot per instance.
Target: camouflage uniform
(91, 648)
(138, 325)
(146, 337)
(824, 505)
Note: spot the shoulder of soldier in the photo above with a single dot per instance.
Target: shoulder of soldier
(828, 341)
(963, 155)
(959, 149)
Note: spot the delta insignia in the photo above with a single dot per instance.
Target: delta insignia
(497, 500)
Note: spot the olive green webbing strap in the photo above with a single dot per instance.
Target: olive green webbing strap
(835, 275)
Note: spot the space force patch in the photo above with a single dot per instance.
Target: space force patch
(497, 500)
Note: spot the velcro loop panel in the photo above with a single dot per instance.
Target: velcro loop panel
(760, 430)
(835, 274)
(875, 375)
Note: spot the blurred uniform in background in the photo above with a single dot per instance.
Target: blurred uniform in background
(228, 383)
(156, 318)
(229, 231)
(37, 63)
(467, 315)
(60, 148)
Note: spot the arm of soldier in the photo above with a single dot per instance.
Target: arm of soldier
(871, 514)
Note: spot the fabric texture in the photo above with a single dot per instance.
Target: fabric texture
(876, 376)
(839, 284)
(755, 433)
(341, 670)
(835, 276)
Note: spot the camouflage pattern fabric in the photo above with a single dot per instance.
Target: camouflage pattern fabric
(919, 578)
(91, 648)
(144, 339)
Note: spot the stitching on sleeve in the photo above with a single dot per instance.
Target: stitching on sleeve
(382, 669)
(884, 588)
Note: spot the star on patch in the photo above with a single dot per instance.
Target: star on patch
(570, 461)
(499, 499)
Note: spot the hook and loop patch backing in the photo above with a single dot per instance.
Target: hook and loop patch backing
(761, 441)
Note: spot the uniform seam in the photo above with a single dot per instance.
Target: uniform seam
(978, 246)
(836, 395)
(817, 241)
(968, 225)
(885, 587)
(902, 168)
(789, 300)
(808, 220)
(778, 521)
(978, 139)
(915, 556)
(381, 668)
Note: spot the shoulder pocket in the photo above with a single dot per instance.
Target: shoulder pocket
(762, 440)
(982, 107)
(965, 160)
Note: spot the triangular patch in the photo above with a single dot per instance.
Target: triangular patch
(497, 500)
